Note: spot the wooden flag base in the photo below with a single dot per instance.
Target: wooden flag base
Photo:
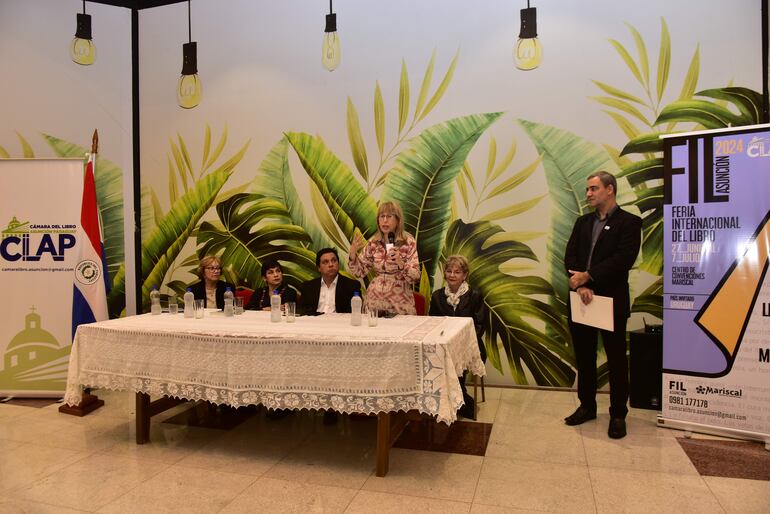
(88, 404)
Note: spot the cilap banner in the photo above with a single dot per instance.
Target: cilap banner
(716, 290)
(39, 217)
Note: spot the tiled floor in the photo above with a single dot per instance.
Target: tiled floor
(50, 462)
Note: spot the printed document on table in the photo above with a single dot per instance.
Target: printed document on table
(597, 314)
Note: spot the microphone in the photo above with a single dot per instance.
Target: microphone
(391, 241)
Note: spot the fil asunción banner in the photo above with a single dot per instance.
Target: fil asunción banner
(39, 216)
(716, 291)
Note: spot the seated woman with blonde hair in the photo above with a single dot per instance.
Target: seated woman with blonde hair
(457, 298)
(211, 289)
(392, 253)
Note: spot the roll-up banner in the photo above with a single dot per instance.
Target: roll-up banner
(716, 290)
(39, 217)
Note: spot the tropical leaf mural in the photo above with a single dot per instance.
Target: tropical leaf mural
(423, 180)
(251, 229)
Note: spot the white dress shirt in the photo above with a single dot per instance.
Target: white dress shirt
(326, 296)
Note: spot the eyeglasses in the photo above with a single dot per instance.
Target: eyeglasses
(215, 269)
(386, 216)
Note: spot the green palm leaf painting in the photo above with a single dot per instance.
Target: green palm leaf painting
(273, 180)
(423, 180)
(347, 200)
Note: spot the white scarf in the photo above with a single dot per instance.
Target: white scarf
(454, 298)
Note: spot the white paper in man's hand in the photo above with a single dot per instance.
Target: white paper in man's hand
(598, 313)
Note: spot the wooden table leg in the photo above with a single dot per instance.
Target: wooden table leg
(142, 418)
(383, 443)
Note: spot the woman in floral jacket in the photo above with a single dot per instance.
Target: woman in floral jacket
(392, 253)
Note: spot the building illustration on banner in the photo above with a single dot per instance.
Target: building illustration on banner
(34, 358)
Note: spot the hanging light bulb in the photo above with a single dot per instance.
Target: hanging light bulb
(528, 53)
(330, 53)
(82, 48)
(188, 90)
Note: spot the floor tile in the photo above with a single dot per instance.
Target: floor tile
(620, 490)
(245, 453)
(17, 506)
(389, 503)
(168, 443)
(317, 461)
(478, 508)
(182, 489)
(90, 483)
(740, 496)
(447, 476)
(534, 486)
(271, 495)
(27, 463)
(636, 452)
(532, 413)
(521, 395)
(559, 445)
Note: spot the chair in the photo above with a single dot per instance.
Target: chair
(419, 304)
(245, 294)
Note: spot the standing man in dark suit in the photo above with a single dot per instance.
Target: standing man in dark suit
(332, 292)
(600, 252)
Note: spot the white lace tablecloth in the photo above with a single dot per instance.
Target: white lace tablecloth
(404, 363)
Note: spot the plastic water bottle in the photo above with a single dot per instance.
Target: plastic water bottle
(229, 307)
(189, 304)
(355, 309)
(275, 306)
(173, 307)
(155, 301)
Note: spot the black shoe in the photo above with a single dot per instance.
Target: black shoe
(580, 416)
(617, 428)
(330, 417)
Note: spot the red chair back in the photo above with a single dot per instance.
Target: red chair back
(245, 294)
(419, 304)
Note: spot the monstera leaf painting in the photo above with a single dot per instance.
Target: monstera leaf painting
(252, 228)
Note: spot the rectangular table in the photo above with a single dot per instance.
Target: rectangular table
(408, 363)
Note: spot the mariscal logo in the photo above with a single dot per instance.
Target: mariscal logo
(721, 391)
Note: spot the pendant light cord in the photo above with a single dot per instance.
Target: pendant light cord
(189, 23)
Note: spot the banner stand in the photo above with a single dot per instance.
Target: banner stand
(716, 285)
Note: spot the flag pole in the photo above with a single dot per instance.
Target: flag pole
(89, 402)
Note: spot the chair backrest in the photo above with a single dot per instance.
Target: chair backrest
(419, 304)
(245, 294)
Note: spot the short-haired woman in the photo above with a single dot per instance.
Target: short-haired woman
(272, 273)
(210, 288)
(457, 298)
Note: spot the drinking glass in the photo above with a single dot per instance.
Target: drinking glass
(238, 305)
(371, 315)
(291, 311)
(173, 308)
(199, 309)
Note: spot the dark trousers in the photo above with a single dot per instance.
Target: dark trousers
(584, 340)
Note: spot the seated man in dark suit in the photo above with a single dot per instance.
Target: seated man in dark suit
(330, 293)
